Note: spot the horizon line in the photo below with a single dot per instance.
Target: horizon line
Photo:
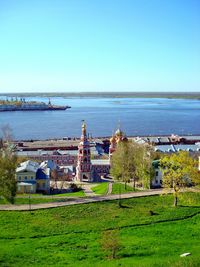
(103, 92)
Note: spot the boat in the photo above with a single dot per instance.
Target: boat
(23, 105)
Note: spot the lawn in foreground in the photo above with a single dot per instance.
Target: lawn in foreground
(152, 233)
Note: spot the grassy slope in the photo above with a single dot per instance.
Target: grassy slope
(71, 236)
(117, 186)
(100, 189)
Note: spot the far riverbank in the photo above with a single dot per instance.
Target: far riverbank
(174, 95)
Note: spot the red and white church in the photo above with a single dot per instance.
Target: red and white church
(88, 170)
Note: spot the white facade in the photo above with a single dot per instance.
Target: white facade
(157, 180)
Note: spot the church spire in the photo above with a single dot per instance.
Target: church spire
(84, 132)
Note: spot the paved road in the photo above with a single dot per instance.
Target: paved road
(81, 200)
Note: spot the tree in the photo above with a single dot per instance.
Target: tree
(143, 162)
(132, 161)
(8, 164)
(179, 171)
(6, 133)
(54, 178)
(110, 243)
(123, 163)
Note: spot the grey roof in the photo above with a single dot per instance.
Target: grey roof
(165, 148)
(48, 164)
(176, 148)
(164, 139)
(192, 137)
(38, 153)
(139, 140)
(28, 166)
(153, 139)
(194, 148)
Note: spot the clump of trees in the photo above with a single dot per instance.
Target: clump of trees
(179, 171)
(132, 161)
(8, 164)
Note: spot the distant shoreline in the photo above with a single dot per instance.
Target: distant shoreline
(99, 138)
(174, 95)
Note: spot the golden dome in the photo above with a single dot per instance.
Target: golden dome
(119, 132)
(84, 128)
(83, 125)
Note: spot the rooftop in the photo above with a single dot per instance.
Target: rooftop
(28, 166)
(176, 148)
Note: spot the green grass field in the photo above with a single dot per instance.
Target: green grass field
(78, 193)
(73, 194)
(100, 189)
(39, 198)
(151, 233)
(118, 187)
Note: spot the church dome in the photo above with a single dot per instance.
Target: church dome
(119, 132)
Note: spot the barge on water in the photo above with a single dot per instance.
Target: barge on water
(23, 105)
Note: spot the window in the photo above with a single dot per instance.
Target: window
(160, 181)
(25, 177)
(43, 185)
(156, 173)
(19, 177)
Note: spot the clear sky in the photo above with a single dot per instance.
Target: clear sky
(99, 45)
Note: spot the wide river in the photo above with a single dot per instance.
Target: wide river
(137, 116)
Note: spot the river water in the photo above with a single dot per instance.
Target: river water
(137, 116)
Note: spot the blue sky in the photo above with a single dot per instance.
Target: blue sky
(99, 45)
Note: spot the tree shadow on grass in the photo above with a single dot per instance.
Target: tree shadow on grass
(124, 206)
(134, 254)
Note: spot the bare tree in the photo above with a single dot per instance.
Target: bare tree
(7, 135)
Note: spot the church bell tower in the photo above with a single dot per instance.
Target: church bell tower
(84, 166)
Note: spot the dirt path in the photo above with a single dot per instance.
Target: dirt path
(81, 200)
(88, 191)
(109, 189)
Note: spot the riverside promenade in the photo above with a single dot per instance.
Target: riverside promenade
(84, 200)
